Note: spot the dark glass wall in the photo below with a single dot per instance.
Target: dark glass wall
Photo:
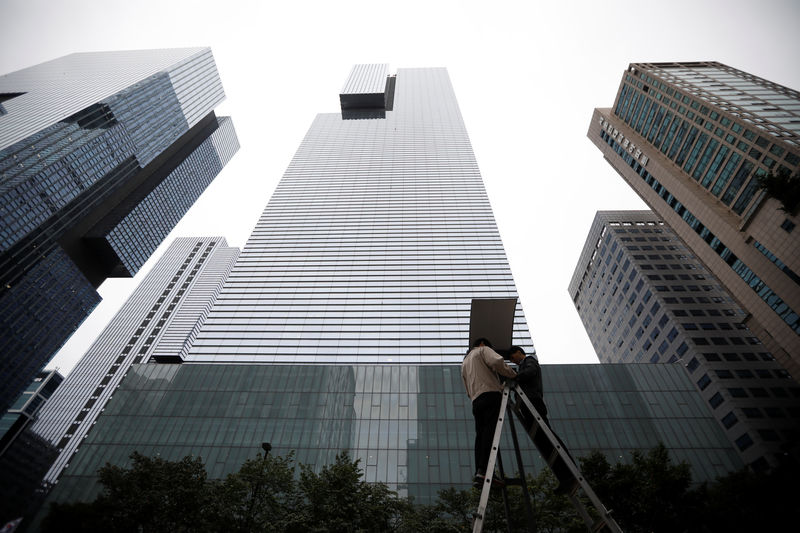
(411, 426)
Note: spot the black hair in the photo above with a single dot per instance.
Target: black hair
(515, 349)
(477, 342)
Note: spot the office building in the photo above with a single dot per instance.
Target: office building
(100, 155)
(644, 297)
(693, 139)
(23, 455)
(410, 425)
(374, 242)
(162, 316)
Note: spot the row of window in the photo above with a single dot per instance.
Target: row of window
(777, 304)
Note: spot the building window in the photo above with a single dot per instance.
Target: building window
(787, 225)
(716, 400)
(693, 364)
(729, 420)
(744, 442)
(704, 382)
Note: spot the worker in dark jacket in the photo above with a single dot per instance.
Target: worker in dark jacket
(529, 377)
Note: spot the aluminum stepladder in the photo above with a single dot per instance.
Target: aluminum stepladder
(556, 457)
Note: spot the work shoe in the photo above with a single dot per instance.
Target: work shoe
(497, 482)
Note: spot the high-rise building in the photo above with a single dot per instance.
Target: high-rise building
(644, 297)
(693, 139)
(100, 155)
(24, 456)
(157, 323)
(374, 242)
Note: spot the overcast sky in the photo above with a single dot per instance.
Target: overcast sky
(526, 74)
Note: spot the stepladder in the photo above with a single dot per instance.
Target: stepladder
(556, 457)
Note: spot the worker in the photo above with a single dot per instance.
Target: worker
(480, 370)
(529, 377)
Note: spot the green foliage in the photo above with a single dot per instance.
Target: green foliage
(751, 501)
(648, 494)
(784, 187)
(261, 496)
(152, 495)
(155, 495)
(336, 500)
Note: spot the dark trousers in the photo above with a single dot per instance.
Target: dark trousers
(527, 416)
(485, 409)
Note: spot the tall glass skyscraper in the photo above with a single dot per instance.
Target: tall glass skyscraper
(375, 241)
(100, 155)
(693, 140)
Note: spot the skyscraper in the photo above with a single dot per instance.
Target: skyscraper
(100, 155)
(24, 456)
(161, 317)
(644, 297)
(692, 139)
(374, 242)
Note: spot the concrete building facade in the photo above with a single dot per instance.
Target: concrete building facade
(693, 140)
(644, 297)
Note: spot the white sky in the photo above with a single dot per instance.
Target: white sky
(527, 77)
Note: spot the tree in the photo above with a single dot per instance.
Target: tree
(156, 495)
(153, 495)
(784, 187)
(650, 494)
(337, 500)
(261, 496)
(751, 501)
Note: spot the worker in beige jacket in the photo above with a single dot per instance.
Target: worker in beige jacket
(479, 371)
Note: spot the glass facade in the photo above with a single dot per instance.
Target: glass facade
(24, 457)
(411, 426)
(373, 244)
(92, 145)
(686, 123)
(159, 321)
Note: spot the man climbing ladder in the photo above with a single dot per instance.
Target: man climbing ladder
(479, 373)
(554, 454)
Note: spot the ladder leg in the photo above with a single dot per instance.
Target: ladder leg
(504, 488)
(526, 495)
(561, 463)
(487, 482)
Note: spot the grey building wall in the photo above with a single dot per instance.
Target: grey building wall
(644, 297)
(100, 155)
(692, 139)
(373, 244)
